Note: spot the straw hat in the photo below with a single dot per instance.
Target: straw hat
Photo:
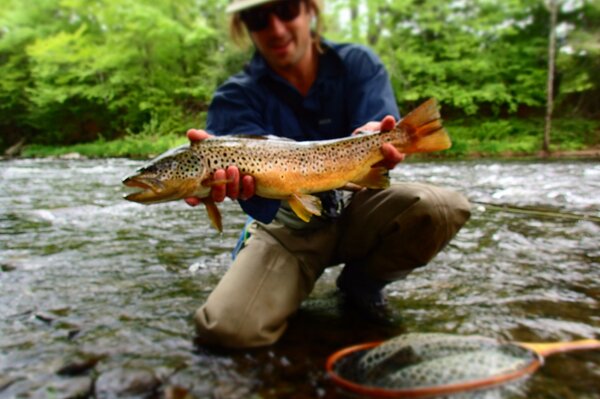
(240, 5)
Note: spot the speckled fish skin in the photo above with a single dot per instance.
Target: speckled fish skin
(428, 360)
(285, 169)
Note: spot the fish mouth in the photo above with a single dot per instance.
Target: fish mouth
(150, 189)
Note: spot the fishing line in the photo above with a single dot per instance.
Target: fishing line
(537, 212)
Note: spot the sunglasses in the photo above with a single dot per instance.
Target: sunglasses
(257, 18)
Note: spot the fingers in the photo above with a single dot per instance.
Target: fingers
(387, 123)
(384, 125)
(197, 135)
(234, 186)
(239, 187)
(219, 191)
(233, 182)
(193, 201)
(368, 127)
(391, 156)
(248, 187)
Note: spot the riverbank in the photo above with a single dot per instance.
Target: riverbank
(82, 152)
(472, 138)
(588, 153)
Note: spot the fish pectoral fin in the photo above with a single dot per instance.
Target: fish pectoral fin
(376, 177)
(305, 206)
(211, 182)
(213, 213)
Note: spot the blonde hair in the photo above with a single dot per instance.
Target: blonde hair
(240, 36)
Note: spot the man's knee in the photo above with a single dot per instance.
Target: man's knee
(439, 206)
(233, 330)
(426, 227)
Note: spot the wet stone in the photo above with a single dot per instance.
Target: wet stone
(7, 267)
(194, 382)
(66, 388)
(79, 366)
(175, 392)
(7, 381)
(44, 386)
(17, 386)
(45, 317)
(123, 383)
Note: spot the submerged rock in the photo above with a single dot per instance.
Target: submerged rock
(79, 365)
(66, 388)
(46, 386)
(122, 383)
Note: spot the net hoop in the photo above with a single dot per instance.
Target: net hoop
(378, 392)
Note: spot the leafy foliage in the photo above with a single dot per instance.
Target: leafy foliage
(77, 70)
(476, 56)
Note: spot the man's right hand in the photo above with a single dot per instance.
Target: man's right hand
(237, 187)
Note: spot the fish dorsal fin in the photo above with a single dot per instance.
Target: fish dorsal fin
(305, 206)
(258, 137)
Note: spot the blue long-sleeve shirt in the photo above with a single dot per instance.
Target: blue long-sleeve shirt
(352, 87)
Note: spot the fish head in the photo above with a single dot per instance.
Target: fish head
(175, 175)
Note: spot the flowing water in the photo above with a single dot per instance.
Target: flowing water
(97, 294)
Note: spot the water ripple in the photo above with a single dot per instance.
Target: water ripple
(86, 274)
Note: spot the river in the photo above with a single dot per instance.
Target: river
(97, 294)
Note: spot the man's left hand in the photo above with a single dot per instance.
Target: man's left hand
(391, 156)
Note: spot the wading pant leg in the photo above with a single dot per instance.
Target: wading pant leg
(393, 231)
(266, 283)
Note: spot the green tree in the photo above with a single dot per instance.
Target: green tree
(76, 69)
(475, 55)
(579, 61)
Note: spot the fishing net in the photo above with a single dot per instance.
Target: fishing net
(415, 361)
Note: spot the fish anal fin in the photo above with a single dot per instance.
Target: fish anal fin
(213, 213)
(424, 128)
(376, 177)
(305, 206)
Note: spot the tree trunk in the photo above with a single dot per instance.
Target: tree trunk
(353, 20)
(553, 6)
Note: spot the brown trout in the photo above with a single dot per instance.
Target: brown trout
(285, 169)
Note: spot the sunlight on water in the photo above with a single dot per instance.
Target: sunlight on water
(89, 280)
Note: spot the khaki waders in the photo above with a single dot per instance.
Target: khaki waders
(389, 232)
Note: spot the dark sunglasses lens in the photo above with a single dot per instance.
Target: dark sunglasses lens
(258, 18)
(255, 19)
(287, 10)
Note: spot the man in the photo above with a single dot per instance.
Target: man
(304, 88)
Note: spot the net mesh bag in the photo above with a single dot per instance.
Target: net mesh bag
(429, 360)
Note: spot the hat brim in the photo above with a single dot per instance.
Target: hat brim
(241, 5)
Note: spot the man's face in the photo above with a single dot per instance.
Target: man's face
(284, 43)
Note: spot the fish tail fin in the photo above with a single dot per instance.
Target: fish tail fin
(424, 129)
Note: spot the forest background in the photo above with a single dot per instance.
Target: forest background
(129, 77)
